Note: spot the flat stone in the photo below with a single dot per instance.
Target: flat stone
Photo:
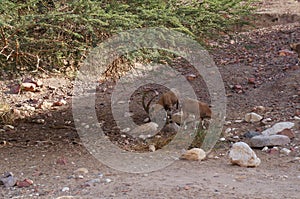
(144, 129)
(241, 154)
(278, 127)
(272, 140)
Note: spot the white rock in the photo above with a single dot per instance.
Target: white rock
(242, 155)
(39, 121)
(107, 180)
(121, 102)
(296, 118)
(285, 151)
(125, 130)
(65, 197)
(228, 130)
(222, 139)
(148, 128)
(227, 123)
(266, 120)
(81, 171)
(65, 189)
(151, 148)
(8, 127)
(265, 149)
(194, 154)
(253, 117)
(238, 121)
(278, 127)
(260, 108)
(275, 148)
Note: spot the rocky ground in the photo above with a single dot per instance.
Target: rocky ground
(260, 75)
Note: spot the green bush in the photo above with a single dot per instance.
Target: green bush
(57, 34)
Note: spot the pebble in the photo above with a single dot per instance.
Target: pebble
(27, 86)
(65, 189)
(260, 108)
(278, 127)
(242, 155)
(272, 140)
(266, 120)
(126, 130)
(8, 127)
(39, 121)
(222, 139)
(194, 154)
(107, 180)
(253, 117)
(228, 130)
(285, 151)
(121, 102)
(92, 182)
(80, 177)
(265, 149)
(227, 123)
(81, 170)
(191, 77)
(152, 148)
(238, 121)
(65, 197)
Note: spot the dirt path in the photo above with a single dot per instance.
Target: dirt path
(48, 153)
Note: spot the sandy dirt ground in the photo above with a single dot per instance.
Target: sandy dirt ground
(50, 152)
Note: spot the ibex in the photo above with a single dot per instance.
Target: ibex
(201, 110)
(166, 101)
